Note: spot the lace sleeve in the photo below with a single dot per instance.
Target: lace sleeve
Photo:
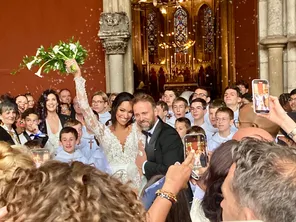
(91, 120)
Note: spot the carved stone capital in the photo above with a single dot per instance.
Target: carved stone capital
(115, 46)
(114, 31)
(274, 42)
(292, 39)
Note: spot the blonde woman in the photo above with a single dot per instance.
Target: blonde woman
(10, 160)
(76, 192)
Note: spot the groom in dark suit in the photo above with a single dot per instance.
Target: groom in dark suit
(164, 146)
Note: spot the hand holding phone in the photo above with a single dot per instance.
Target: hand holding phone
(260, 88)
(198, 143)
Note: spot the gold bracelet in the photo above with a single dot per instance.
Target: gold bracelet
(166, 195)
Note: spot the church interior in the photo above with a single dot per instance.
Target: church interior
(171, 43)
(182, 44)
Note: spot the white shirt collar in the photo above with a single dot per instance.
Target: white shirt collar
(153, 128)
(29, 133)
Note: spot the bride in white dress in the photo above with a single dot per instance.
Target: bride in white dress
(122, 142)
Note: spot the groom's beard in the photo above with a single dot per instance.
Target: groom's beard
(147, 125)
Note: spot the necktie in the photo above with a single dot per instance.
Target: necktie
(146, 133)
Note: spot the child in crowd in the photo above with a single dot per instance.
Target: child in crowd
(32, 144)
(232, 99)
(69, 153)
(180, 107)
(162, 110)
(169, 96)
(94, 155)
(213, 107)
(224, 121)
(31, 102)
(31, 120)
(284, 99)
(246, 98)
(100, 105)
(243, 87)
(198, 111)
(195, 130)
(182, 124)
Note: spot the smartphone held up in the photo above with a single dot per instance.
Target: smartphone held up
(198, 143)
(260, 89)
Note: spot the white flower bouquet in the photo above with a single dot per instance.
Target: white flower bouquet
(53, 59)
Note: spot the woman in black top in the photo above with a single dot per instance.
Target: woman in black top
(8, 115)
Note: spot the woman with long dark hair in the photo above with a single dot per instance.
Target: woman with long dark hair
(122, 142)
(207, 207)
(51, 121)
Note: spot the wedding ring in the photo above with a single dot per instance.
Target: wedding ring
(191, 166)
(140, 153)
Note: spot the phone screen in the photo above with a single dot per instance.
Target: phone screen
(198, 143)
(260, 89)
(40, 156)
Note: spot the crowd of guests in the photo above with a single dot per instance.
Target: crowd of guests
(122, 157)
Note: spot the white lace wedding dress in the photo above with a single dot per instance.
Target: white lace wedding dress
(121, 158)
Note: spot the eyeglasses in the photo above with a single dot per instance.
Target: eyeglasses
(239, 124)
(196, 108)
(199, 95)
(98, 101)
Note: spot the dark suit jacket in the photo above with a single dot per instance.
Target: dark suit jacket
(4, 136)
(168, 149)
(41, 140)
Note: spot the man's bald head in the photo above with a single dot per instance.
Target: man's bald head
(252, 132)
(248, 118)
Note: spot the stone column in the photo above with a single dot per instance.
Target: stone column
(224, 44)
(291, 48)
(263, 53)
(114, 32)
(275, 42)
(125, 6)
(275, 66)
(227, 43)
(107, 7)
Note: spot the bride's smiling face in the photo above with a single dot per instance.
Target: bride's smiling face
(124, 113)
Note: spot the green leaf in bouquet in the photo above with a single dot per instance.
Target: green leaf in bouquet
(53, 59)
